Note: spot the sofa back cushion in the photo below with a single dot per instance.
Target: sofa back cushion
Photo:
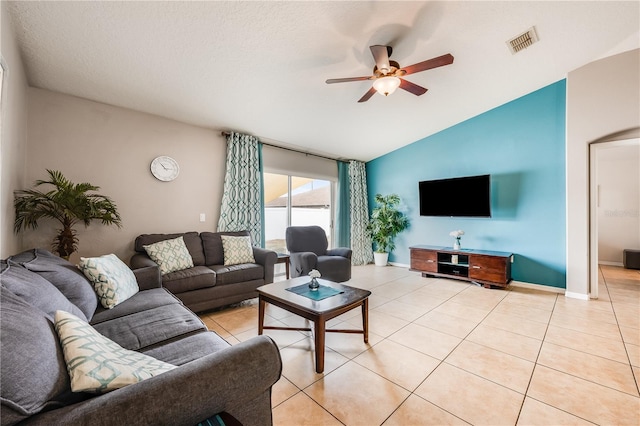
(191, 240)
(25, 256)
(212, 244)
(67, 278)
(33, 372)
(306, 239)
(36, 291)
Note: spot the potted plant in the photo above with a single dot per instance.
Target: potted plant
(385, 224)
(69, 204)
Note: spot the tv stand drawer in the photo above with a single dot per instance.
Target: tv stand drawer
(426, 261)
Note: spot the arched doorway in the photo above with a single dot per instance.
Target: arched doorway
(614, 203)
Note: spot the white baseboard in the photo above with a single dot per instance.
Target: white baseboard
(541, 287)
(573, 295)
(522, 284)
(607, 263)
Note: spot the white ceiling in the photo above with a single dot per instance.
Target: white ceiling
(260, 67)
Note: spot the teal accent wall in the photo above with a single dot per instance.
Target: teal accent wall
(521, 144)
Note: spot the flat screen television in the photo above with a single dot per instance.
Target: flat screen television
(468, 196)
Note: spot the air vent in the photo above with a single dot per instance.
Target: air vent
(522, 41)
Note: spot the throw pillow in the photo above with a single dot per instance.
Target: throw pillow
(237, 250)
(170, 255)
(112, 280)
(97, 364)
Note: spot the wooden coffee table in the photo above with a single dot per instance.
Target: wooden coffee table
(319, 311)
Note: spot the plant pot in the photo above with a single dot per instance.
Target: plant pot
(380, 258)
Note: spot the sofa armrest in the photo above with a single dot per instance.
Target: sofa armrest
(266, 258)
(140, 260)
(237, 380)
(148, 277)
(340, 251)
(302, 263)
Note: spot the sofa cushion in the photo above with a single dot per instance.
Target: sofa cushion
(189, 279)
(191, 239)
(24, 257)
(237, 273)
(237, 250)
(112, 280)
(148, 328)
(171, 255)
(188, 349)
(97, 364)
(67, 278)
(36, 291)
(33, 373)
(212, 244)
(141, 301)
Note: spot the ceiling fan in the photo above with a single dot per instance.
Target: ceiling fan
(387, 74)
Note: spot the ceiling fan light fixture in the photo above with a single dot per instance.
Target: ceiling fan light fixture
(386, 85)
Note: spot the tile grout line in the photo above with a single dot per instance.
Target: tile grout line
(442, 361)
(466, 290)
(624, 344)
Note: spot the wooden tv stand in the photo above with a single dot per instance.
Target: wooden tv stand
(489, 268)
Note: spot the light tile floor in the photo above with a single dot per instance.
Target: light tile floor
(448, 352)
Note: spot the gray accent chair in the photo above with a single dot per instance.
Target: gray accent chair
(308, 250)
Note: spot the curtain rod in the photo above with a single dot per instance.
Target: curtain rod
(226, 134)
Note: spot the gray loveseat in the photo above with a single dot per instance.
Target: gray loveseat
(212, 377)
(209, 284)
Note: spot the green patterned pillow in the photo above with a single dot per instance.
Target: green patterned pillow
(112, 280)
(237, 250)
(170, 255)
(97, 364)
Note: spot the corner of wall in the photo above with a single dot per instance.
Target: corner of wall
(603, 98)
(14, 132)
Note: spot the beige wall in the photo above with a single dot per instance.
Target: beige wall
(603, 99)
(112, 147)
(14, 133)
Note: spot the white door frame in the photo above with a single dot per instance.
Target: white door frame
(594, 202)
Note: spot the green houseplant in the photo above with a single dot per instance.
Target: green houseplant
(69, 204)
(385, 224)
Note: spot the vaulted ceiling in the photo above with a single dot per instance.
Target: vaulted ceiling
(260, 67)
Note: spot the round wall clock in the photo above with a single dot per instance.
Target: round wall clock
(165, 168)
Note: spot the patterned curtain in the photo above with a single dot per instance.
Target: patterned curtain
(360, 239)
(343, 219)
(242, 197)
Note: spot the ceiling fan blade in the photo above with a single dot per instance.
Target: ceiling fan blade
(428, 64)
(381, 56)
(345, 80)
(367, 95)
(412, 88)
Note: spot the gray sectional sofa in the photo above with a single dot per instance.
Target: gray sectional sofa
(209, 284)
(212, 377)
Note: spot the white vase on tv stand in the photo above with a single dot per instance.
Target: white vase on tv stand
(456, 245)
